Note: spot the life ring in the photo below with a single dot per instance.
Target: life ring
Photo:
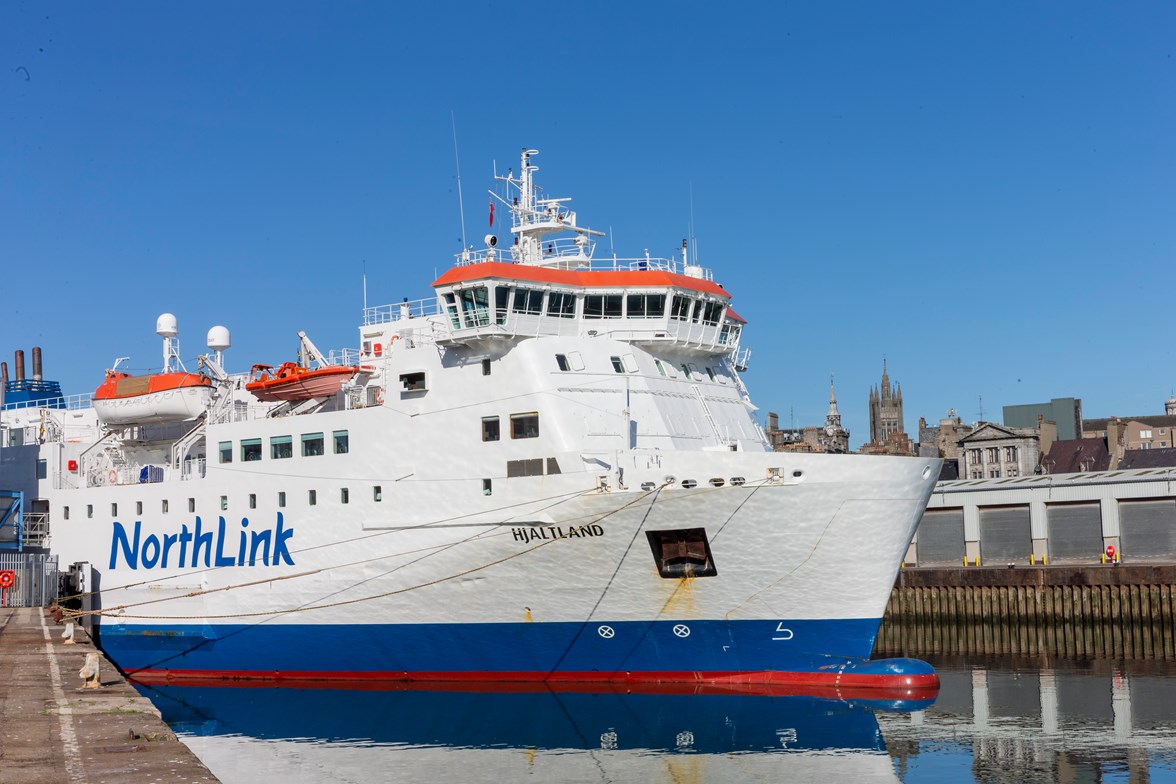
(112, 477)
(379, 396)
(7, 578)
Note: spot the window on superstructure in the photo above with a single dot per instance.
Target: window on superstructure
(253, 500)
(490, 430)
(312, 444)
(413, 382)
(561, 361)
(312, 497)
(501, 304)
(250, 449)
(660, 367)
(42, 469)
(340, 439)
(696, 314)
(138, 507)
(528, 301)
(281, 447)
(710, 373)
(475, 306)
(344, 495)
(712, 312)
(561, 304)
(163, 506)
(686, 371)
(617, 365)
(486, 367)
(225, 450)
(603, 306)
(377, 493)
(642, 306)
(191, 504)
(65, 512)
(89, 511)
(114, 510)
(281, 498)
(680, 308)
(224, 503)
(451, 309)
(524, 425)
(487, 487)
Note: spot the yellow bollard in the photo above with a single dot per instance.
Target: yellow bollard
(1044, 559)
(1032, 562)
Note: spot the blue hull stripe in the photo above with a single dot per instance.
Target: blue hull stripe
(599, 646)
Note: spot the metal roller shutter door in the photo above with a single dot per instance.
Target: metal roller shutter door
(1004, 534)
(1075, 532)
(941, 537)
(1148, 529)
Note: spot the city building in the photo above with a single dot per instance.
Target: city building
(993, 451)
(887, 429)
(1065, 412)
(831, 437)
(942, 440)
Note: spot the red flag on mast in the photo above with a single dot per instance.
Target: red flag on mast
(492, 212)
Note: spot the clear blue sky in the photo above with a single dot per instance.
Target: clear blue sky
(984, 193)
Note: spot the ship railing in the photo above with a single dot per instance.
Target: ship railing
(193, 468)
(566, 254)
(408, 309)
(344, 357)
(68, 402)
(36, 529)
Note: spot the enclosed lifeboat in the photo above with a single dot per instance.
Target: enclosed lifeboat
(293, 382)
(124, 399)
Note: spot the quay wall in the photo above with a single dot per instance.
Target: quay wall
(1094, 611)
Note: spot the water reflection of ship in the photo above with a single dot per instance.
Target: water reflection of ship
(1073, 722)
(566, 736)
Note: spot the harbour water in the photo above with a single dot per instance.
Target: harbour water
(999, 717)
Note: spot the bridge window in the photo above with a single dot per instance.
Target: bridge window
(451, 309)
(711, 313)
(475, 306)
(645, 305)
(598, 306)
(561, 305)
(501, 305)
(524, 425)
(680, 308)
(529, 301)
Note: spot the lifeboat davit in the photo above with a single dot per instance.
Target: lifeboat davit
(293, 382)
(123, 399)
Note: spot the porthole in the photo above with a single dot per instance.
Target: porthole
(647, 486)
(717, 482)
(689, 483)
(797, 474)
(738, 481)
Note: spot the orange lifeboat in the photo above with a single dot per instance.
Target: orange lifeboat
(124, 399)
(293, 382)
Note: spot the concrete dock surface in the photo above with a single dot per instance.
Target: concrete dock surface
(55, 731)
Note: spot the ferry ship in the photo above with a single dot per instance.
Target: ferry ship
(549, 470)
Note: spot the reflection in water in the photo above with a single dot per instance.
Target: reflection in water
(303, 735)
(1008, 718)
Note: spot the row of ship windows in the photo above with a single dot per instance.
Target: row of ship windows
(470, 307)
(281, 447)
(311, 500)
(628, 364)
(521, 426)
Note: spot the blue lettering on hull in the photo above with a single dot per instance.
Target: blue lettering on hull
(199, 548)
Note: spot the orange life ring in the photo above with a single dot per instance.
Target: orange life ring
(7, 578)
(379, 396)
(112, 477)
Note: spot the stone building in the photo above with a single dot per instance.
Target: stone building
(993, 451)
(885, 409)
(831, 437)
(942, 440)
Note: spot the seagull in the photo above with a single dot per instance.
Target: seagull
(89, 672)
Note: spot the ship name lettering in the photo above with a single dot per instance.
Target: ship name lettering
(553, 532)
(199, 547)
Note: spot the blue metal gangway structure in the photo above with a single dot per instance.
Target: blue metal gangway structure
(11, 520)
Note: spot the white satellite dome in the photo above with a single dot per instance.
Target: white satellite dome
(218, 338)
(166, 326)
